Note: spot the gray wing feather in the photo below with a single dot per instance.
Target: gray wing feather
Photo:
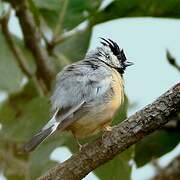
(77, 85)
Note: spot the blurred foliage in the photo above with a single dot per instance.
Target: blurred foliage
(138, 8)
(14, 75)
(24, 111)
(118, 168)
(77, 11)
(155, 145)
(81, 39)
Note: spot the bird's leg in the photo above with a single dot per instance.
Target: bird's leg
(79, 144)
(106, 128)
(77, 141)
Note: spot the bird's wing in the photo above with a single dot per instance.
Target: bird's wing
(76, 86)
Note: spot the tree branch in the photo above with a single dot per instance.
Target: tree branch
(58, 29)
(32, 37)
(61, 38)
(130, 131)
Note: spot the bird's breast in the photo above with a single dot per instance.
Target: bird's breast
(118, 90)
(100, 114)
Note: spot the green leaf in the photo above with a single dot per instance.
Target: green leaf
(118, 168)
(12, 165)
(39, 160)
(10, 74)
(35, 12)
(13, 177)
(137, 8)
(20, 118)
(26, 53)
(1, 9)
(155, 145)
(75, 47)
(48, 4)
(77, 11)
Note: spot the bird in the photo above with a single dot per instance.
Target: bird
(87, 94)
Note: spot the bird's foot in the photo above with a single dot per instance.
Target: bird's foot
(80, 146)
(107, 128)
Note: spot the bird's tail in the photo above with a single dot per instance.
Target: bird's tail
(46, 131)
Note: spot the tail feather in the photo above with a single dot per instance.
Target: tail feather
(46, 131)
(37, 139)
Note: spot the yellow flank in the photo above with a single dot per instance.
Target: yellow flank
(100, 116)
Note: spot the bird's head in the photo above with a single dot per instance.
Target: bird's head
(112, 55)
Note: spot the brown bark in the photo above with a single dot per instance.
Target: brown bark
(130, 131)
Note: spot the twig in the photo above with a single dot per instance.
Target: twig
(130, 131)
(172, 60)
(58, 29)
(62, 13)
(61, 38)
(32, 37)
(17, 52)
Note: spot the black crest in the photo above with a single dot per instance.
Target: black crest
(119, 53)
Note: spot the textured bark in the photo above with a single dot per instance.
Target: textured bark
(171, 172)
(32, 37)
(130, 131)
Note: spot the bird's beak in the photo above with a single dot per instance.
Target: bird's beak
(127, 63)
